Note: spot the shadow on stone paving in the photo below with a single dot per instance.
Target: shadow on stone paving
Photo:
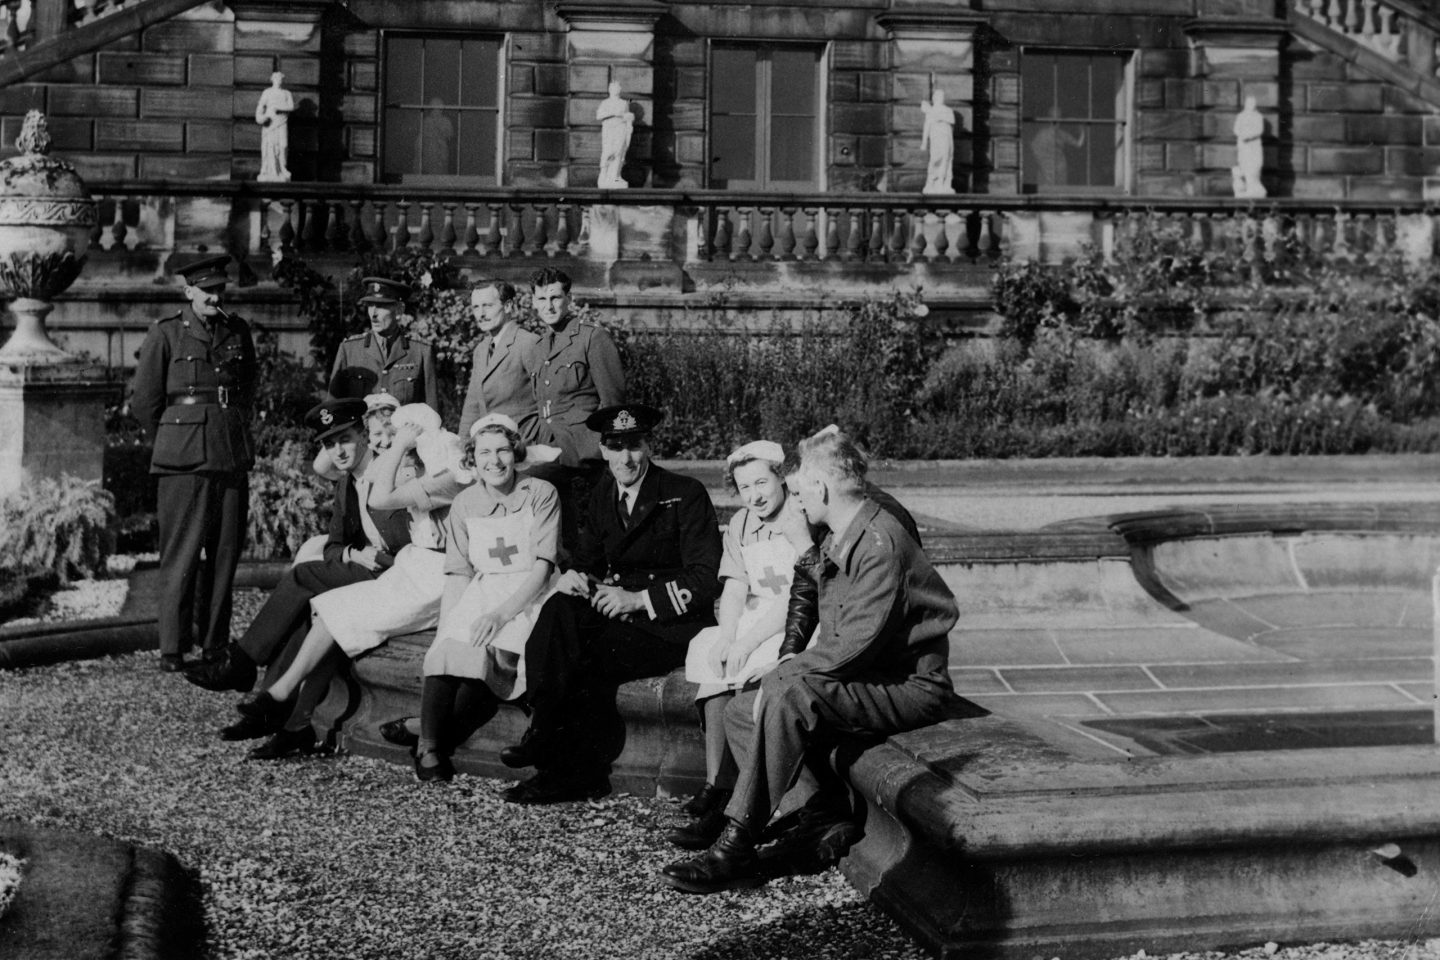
(855, 930)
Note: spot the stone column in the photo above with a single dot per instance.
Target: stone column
(930, 48)
(1232, 59)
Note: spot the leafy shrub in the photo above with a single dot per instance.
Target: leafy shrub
(63, 526)
(289, 503)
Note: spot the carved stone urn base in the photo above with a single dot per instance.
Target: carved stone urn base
(52, 420)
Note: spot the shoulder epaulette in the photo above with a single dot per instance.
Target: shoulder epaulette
(174, 316)
(358, 336)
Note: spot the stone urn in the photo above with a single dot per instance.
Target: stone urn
(46, 216)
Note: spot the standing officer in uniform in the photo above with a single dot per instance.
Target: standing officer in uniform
(644, 581)
(194, 387)
(404, 365)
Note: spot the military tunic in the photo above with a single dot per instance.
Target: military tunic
(577, 371)
(500, 381)
(194, 389)
(405, 366)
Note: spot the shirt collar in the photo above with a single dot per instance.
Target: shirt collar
(633, 488)
(513, 501)
(839, 547)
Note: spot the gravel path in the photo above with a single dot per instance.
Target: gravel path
(349, 857)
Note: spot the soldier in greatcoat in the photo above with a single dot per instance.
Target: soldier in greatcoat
(404, 365)
(194, 388)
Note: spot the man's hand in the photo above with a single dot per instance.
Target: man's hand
(574, 583)
(615, 601)
(367, 558)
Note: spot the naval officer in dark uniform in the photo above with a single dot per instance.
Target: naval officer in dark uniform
(194, 388)
(404, 364)
(644, 580)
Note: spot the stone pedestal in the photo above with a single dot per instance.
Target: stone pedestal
(52, 421)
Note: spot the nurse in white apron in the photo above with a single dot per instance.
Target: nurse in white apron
(757, 566)
(504, 536)
(406, 596)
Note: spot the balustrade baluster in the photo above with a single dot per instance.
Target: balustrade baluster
(742, 235)
(999, 231)
(877, 236)
(359, 240)
(400, 238)
(582, 241)
(379, 235)
(766, 240)
(985, 243)
(1352, 20)
(425, 236)
(785, 241)
(535, 244)
(922, 238)
(1340, 244)
(12, 24)
(472, 230)
(899, 246)
(1333, 14)
(957, 236)
(264, 239)
(854, 235)
(287, 227)
(942, 237)
(515, 240)
(493, 237)
(97, 232)
(832, 233)
(1270, 237)
(559, 245)
(720, 243)
(312, 222)
(810, 245)
(447, 231)
(337, 236)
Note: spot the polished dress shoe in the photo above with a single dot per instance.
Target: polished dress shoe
(233, 671)
(525, 753)
(707, 798)
(440, 771)
(172, 663)
(247, 729)
(396, 732)
(548, 787)
(261, 706)
(286, 743)
(729, 864)
(697, 833)
(814, 837)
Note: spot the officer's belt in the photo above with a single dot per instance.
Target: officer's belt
(221, 397)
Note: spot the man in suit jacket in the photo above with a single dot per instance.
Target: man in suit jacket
(194, 387)
(643, 582)
(355, 550)
(877, 667)
(500, 368)
(404, 365)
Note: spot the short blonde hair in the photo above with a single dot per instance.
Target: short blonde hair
(834, 454)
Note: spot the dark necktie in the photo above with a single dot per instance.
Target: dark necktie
(352, 505)
(490, 352)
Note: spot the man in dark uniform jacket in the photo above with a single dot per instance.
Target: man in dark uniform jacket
(877, 667)
(351, 555)
(404, 364)
(194, 386)
(643, 582)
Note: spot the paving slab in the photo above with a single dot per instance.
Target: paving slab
(1179, 644)
(1388, 670)
(1353, 696)
(1077, 678)
(1348, 643)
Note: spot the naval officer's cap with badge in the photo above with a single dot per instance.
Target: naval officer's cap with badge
(332, 416)
(207, 273)
(624, 421)
(380, 290)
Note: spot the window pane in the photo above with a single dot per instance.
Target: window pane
(732, 145)
(1040, 151)
(792, 150)
(733, 86)
(481, 73)
(793, 83)
(1105, 144)
(442, 72)
(477, 143)
(402, 72)
(402, 137)
(1105, 80)
(1070, 159)
(1038, 84)
(1072, 89)
(437, 141)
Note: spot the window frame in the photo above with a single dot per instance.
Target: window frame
(764, 92)
(502, 58)
(1125, 150)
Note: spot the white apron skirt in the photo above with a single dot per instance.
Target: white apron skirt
(403, 599)
(769, 568)
(502, 555)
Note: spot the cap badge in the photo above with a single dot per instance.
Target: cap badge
(625, 420)
(326, 417)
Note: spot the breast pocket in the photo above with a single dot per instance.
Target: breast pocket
(180, 438)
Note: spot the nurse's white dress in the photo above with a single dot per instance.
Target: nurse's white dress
(495, 541)
(759, 555)
(406, 597)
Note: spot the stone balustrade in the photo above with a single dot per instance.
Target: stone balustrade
(1397, 30)
(714, 227)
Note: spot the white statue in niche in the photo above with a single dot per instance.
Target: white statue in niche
(938, 135)
(273, 114)
(1249, 152)
(617, 123)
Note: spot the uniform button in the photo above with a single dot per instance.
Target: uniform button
(652, 576)
(547, 383)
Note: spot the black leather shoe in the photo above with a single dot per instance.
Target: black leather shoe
(729, 864)
(525, 753)
(815, 838)
(261, 706)
(439, 772)
(286, 743)
(546, 787)
(172, 663)
(234, 671)
(246, 729)
(697, 833)
(707, 798)
(396, 732)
